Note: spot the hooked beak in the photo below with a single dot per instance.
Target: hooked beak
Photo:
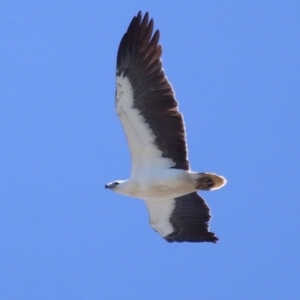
(107, 186)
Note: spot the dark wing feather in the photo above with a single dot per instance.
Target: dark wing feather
(190, 219)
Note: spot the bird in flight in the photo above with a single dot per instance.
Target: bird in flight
(160, 175)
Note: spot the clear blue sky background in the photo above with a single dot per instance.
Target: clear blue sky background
(235, 67)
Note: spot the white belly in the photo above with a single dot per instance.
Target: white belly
(159, 184)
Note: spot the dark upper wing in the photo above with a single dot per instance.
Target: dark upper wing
(190, 219)
(139, 61)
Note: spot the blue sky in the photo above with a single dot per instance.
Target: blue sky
(235, 67)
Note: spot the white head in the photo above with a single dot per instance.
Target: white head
(115, 185)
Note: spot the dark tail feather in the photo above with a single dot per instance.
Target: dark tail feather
(209, 181)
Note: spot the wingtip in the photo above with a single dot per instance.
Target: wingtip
(208, 237)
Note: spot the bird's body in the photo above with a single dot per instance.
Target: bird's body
(159, 184)
(162, 183)
(154, 127)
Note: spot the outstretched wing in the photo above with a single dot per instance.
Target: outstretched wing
(183, 219)
(145, 101)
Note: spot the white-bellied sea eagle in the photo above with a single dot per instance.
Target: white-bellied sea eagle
(154, 127)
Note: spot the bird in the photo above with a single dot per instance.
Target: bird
(155, 130)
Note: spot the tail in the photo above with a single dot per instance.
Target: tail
(209, 181)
